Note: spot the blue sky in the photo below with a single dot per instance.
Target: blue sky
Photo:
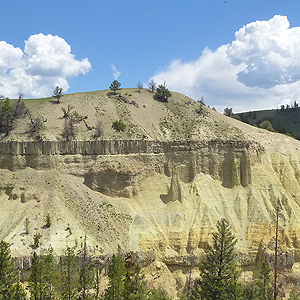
(189, 44)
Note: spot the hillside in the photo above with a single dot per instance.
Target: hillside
(143, 116)
(157, 188)
(284, 120)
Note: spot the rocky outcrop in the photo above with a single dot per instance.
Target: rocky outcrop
(156, 198)
(227, 161)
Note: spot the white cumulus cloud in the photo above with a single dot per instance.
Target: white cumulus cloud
(259, 69)
(45, 62)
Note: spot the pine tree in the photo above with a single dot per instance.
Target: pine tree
(115, 86)
(19, 293)
(162, 93)
(8, 275)
(69, 280)
(36, 283)
(135, 285)
(49, 274)
(57, 93)
(116, 276)
(85, 277)
(264, 290)
(218, 270)
(158, 294)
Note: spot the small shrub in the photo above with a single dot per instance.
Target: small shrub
(48, 221)
(69, 229)
(36, 239)
(118, 125)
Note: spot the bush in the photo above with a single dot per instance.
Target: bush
(118, 125)
(48, 221)
(266, 124)
(36, 239)
(162, 93)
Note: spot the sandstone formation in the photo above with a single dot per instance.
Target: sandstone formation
(152, 193)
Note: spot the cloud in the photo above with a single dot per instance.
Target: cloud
(270, 50)
(45, 63)
(259, 69)
(115, 72)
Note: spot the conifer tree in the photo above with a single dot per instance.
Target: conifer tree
(69, 282)
(9, 288)
(218, 270)
(135, 285)
(158, 294)
(36, 283)
(115, 86)
(85, 273)
(162, 93)
(116, 274)
(49, 274)
(264, 289)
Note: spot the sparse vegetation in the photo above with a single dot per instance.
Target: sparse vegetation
(152, 85)
(36, 239)
(69, 229)
(35, 126)
(67, 112)
(140, 86)
(118, 125)
(48, 221)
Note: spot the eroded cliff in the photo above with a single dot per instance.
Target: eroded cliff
(158, 197)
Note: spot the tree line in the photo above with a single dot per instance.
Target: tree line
(79, 277)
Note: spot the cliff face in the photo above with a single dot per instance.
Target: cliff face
(160, 198)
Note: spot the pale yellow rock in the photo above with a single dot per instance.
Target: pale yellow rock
(158, 189)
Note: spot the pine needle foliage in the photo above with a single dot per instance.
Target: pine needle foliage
(70, 275)
(8, 276)
(218, 271)
(135, 286)
(116, 274)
